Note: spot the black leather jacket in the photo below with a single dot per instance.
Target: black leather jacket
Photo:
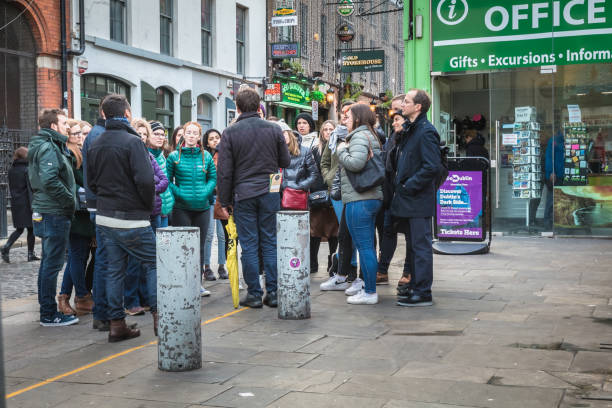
(302, 172)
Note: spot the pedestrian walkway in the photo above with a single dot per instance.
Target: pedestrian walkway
(528, 325)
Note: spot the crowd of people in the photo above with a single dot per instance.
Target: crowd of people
(101, 192)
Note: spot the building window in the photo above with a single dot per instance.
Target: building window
(304, 29)
(93, 89)
(205, 112)
(240, 39)
(285, 34)
(207, 21)
(164, 107)
(165, 21)
(323, 38)
(117, 20)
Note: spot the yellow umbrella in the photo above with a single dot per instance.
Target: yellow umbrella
(232, 260)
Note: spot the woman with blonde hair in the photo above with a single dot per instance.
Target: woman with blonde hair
(323, 221)
(81, 234)
(193, 177)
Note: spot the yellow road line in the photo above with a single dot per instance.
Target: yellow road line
(109, 358)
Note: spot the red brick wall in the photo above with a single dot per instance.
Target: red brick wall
(44, 18)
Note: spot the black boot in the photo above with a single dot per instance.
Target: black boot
(32, 256)
(5, 254)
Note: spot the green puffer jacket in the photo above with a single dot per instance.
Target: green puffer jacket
(354, 158)
(50, 174)
(167, 197)
(192, 179)
(329, 165)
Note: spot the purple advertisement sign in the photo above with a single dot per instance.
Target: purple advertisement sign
(459, 212)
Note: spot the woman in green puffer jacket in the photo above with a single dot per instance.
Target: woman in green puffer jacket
(155, 144)
(192, 176)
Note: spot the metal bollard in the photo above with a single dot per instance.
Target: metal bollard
(293, 260)
(178, 299)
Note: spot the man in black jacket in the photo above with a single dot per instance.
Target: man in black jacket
(251, 151)
(416, 162)
(119, 173)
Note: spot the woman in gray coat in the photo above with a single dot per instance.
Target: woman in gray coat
(361, 208)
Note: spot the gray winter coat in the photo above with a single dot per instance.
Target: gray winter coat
(354, 158)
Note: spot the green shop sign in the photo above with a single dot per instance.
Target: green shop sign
(362, 61)
(486, 35)
(296, 93)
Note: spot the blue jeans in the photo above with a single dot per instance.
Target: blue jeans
(100, 310)
(53, 231)
(361, 220)
(136, 293)
(256, 224)
(121, 244)
(338, 207)
(74, 274)
(159, 221)
(210, 234)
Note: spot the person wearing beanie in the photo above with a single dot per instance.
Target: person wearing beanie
(305, 125)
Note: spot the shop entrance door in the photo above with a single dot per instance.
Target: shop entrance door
(521, 112)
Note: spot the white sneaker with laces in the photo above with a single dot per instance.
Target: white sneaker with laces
(356, 286)
(204, 292)
(336, 282)
(363, 298)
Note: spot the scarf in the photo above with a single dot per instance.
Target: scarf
(340, 132)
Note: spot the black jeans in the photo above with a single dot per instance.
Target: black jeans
(188, 218)
(315, 243)
(16, 234)
(419, 253)
(388, 245)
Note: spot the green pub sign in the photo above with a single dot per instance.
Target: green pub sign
(295, 93)
(485, 35)
(362, 61)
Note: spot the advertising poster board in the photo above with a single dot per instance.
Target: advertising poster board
(459, 207)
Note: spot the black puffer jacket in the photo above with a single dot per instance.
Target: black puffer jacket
(319, 184)
(21, 194)
(302, 172)
(476, 147)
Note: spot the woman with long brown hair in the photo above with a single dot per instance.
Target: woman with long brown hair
(361, 207)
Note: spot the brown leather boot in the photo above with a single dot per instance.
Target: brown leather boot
(155, 321)
(63, 305)
(84, 304)
(119, 331)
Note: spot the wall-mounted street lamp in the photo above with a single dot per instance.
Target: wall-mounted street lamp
(373, 105)
(330, 96)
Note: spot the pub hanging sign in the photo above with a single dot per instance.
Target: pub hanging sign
(362, 61)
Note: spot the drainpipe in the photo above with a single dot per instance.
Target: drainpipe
(63, 46)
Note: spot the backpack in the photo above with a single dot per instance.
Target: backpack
(443, 171)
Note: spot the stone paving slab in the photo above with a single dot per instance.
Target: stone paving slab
(504, 332)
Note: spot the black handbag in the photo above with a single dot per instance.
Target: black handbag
(319, 199)
(372, 175)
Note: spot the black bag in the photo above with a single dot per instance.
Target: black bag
(336, 189)
(443, 173)
(319, 199)
(372, 175)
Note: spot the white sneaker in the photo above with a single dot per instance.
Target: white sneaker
(204, 292)
(363, 298)
(262, 281)
(336, 282)
(356, 286)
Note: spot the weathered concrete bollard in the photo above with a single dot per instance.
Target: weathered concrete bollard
(178, 299)
(293, 260)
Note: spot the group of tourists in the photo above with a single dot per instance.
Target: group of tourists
(101, 192)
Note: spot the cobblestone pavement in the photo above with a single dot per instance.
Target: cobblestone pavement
(527, 326)
(19, 278)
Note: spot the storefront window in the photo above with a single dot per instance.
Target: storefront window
(164, 107)
(204, 112)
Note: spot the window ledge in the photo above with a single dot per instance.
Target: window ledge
(156, 57)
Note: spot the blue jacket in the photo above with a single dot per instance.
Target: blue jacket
(96, 131)
(559, 157)
(416, 163)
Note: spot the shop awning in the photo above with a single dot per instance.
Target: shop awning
(293, 105)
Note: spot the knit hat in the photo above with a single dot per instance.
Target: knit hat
(155, 125)
(263, 109)
(308, 118)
